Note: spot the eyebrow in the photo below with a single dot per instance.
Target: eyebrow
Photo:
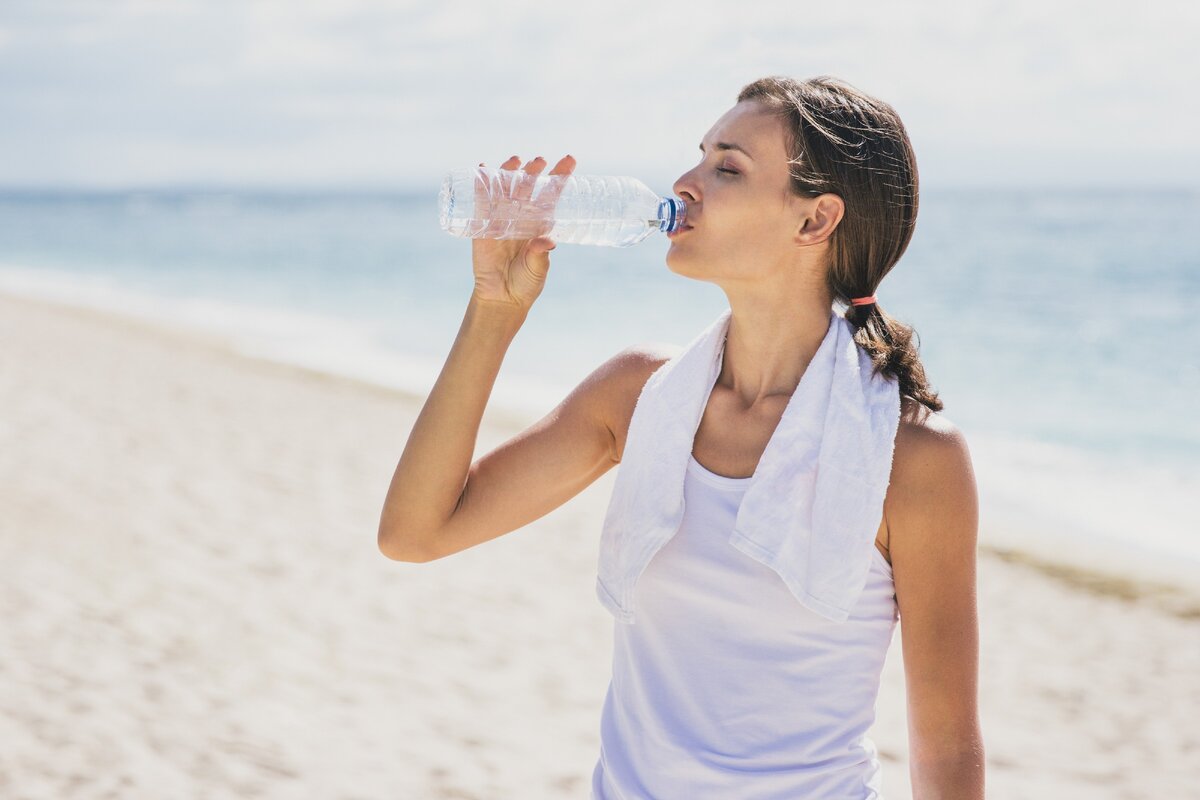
(730, 146)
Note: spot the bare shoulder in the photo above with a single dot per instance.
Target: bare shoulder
(631, 368)
(608, 394)
(932, 476)
(924, 434)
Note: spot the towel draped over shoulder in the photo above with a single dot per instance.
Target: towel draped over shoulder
(814, 503)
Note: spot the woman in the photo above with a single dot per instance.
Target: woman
(805, 193)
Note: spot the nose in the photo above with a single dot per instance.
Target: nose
(683, 187)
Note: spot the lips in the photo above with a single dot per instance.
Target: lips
(675, 233)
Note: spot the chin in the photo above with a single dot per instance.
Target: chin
(681, 264)
(673, 259)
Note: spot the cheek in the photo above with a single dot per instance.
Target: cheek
(746, 225)
(731, 226)
(767, 226)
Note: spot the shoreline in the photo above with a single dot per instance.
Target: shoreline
(221, 346)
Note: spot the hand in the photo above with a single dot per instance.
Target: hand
(513, 271)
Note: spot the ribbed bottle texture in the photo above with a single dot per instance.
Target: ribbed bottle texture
(484, 202)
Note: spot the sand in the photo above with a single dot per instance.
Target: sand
(194, 605)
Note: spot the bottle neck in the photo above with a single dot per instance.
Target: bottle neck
(672, 214)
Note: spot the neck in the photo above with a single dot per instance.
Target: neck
(769, 346)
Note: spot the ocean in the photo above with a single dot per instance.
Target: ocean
(1057, 325)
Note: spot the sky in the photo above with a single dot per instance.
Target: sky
(391, 95)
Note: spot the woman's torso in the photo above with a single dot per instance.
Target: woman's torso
(727, 686)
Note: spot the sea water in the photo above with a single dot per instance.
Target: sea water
(1057, 326)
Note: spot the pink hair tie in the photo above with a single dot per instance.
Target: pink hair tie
(863, 301)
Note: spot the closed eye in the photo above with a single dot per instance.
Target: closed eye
(722, 169)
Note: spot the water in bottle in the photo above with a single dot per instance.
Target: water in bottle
(485, 202)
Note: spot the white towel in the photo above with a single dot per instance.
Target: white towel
(813, 505)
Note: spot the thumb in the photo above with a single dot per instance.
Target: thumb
(542, 244)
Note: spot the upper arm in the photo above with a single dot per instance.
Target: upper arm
(933, 520)
(550, 462)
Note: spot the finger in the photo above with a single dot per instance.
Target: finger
(565, 166)
(524, 188)
(507, 181)
(485, 189)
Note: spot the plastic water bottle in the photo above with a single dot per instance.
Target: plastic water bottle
(486, 202)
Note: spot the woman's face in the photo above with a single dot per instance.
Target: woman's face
(744, 217)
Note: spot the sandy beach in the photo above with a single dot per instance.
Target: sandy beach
(194, 606)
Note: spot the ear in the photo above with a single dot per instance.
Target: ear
(819, 216)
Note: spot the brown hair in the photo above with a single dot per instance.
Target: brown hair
(843, 141)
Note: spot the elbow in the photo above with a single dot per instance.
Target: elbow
(400, 548)
(957, 775)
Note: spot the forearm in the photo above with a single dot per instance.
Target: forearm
(954, 777)
(433, 468)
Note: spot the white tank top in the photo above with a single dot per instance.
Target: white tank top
(727, 686)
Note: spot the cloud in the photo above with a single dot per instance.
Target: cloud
(394, 93)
